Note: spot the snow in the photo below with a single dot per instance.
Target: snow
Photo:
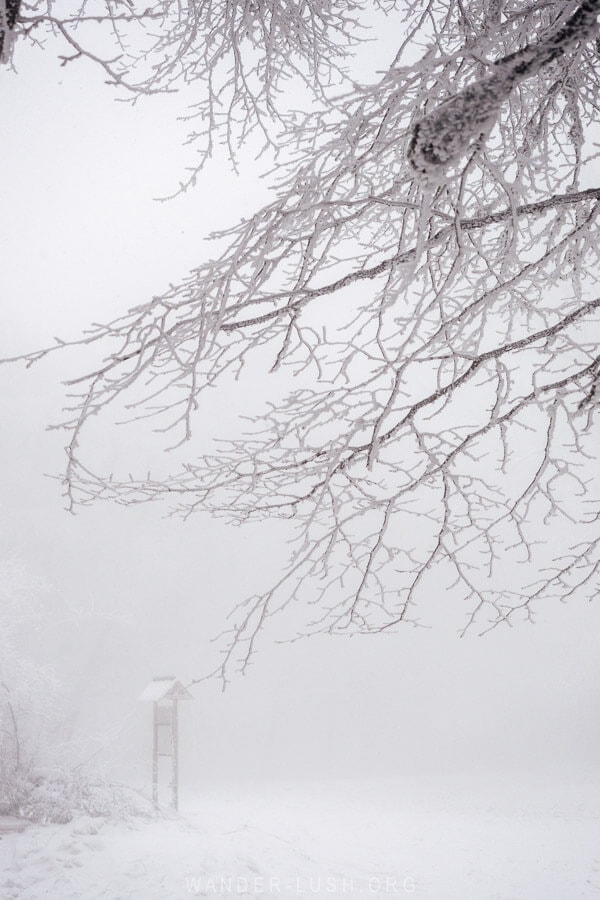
(491, 838)
(164, 688)
(445, 134)
(11, 823)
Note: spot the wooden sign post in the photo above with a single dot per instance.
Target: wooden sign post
(165, 692)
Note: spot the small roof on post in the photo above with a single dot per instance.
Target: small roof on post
(165, 687)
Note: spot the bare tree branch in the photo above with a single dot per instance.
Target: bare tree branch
(423, 290)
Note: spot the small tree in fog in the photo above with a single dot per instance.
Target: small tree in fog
(426, 272)
(26, 689)
(44, 776)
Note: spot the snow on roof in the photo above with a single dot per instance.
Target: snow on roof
(166, 687)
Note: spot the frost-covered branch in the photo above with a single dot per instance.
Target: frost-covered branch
(429, 425)
(232, 60)
(443, 137)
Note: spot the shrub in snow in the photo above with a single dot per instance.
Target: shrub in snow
(59, 796)
(32, 784)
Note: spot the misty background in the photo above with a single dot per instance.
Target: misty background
(129, 594)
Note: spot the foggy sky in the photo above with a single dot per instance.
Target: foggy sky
(132, 594)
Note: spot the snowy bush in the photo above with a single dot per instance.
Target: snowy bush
(59, 796)
(41, 777)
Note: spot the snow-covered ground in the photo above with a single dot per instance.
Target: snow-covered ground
(476, 837)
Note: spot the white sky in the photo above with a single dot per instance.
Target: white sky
(82, 240)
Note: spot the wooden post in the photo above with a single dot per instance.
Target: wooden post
(155, 757)
(165, 693)
(174, 758)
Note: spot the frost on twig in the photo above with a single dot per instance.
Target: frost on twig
(446, 134)
(9, 14)
(429, 427)
(232, 61)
